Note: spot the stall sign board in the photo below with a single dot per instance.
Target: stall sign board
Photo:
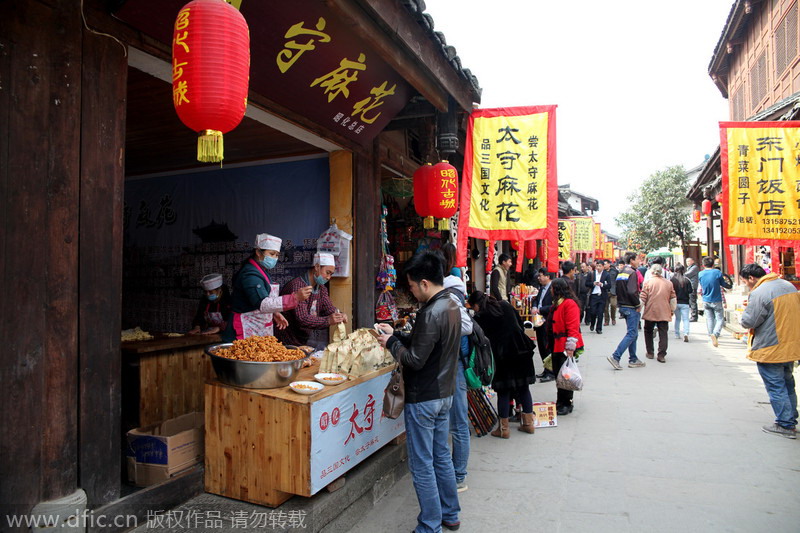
(761, 183)
(348, 427)
(609, 250)
(305, 58)
(510, 189)
(583, 237)
(598, 241)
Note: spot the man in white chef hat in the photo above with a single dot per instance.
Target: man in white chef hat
(318, 312)
(255, 300)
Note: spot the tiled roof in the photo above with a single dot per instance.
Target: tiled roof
(417, 10)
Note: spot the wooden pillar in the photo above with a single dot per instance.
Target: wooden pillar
(341, 210)
(367, 228)
(102, 137)
(40, 69)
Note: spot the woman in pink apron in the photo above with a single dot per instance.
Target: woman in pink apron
(255, 301)
(318, 312)
(214, 309)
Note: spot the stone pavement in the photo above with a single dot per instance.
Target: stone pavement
(669, 447)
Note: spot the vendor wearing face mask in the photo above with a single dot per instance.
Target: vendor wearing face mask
(255, 301)
(214, 309)
(318, 312)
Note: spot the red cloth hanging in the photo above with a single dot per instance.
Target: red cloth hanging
(489, 256)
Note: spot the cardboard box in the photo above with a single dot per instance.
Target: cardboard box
(544, 415)
(157, 452)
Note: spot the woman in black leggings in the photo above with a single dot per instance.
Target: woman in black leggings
(513, 358)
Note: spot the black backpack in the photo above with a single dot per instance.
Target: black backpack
(479, 368)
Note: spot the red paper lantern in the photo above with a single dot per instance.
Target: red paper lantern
(530, 249)
(515, 245)
(443, 193)
(706, 205)
(210, 72)
(423, 176)
(696, 215)
(718, 198)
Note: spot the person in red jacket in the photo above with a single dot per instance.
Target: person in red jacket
(566, 320)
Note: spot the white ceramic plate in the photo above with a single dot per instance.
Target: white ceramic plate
(330, 379)
(305, 387)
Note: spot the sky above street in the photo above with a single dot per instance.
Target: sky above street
(630, 79)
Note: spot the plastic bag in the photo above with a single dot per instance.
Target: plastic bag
(569, 377)
(548, 362)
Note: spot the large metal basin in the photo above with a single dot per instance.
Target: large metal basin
(253, 374)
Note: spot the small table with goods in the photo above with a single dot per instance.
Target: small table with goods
(265, 445)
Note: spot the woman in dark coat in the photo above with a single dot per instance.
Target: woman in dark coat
(513, 358)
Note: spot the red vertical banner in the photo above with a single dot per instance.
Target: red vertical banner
(509, 187)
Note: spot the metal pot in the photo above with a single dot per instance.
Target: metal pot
(253, 374)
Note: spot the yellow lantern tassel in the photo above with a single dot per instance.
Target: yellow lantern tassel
(444, 224)
(209, 146)
(428, 223)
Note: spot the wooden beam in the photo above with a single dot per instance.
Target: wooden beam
(367, 228)
(389, 28)
(104, 89)
(341, 210)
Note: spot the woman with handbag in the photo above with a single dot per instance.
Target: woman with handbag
(566, 324)
(513, 358)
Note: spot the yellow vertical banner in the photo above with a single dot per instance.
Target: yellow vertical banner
(564, 240)
(760, 163)
(598, 241)
(582, 235)
(609, 250)
(509, 187)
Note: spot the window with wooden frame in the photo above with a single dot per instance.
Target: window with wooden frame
(738, 111)
(786, 39)
(758, 81)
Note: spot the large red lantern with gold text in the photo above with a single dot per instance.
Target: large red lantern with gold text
(422, 180)
(443, 193)
(210, 72)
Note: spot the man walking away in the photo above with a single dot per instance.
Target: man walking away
(611, 301)
(583, 292)
(774, 344)
(692, 270)
(712, 283)
(498, 282)
(629, 304)
(429, 357)
(658, 300)
(598, 286)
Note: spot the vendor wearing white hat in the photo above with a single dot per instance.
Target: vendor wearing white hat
(214, 309)
(318, 312)
(255, 300)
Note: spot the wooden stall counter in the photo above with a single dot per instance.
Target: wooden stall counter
(164, 378)
(265, 445)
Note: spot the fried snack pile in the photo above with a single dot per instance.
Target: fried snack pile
(261, 349)
(356, 354)
(135, 334)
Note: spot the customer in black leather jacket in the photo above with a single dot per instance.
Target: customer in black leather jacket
(429, 358)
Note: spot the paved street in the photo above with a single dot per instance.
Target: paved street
(669, 447)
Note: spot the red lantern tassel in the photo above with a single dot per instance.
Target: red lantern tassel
(209, 146)
(428, 223)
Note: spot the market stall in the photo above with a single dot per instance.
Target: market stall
(265, 445)
(163, 378)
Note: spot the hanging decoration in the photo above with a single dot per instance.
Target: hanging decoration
(706, 205)
(696, 216)
(423, 176)
(443, 193)
(210, 72)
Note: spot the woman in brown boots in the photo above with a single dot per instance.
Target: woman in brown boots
(513, 358)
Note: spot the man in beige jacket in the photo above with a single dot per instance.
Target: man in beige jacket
(659, 301)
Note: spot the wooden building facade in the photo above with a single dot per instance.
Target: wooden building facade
(85, 103)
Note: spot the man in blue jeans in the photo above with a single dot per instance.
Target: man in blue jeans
(712, 283)
(771, 315)
(628, 305)
(429, 358)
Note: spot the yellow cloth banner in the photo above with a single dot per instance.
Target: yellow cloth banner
(509, 173)
(598, 239)
(761, 182)
(583, 235)
(564, 240)
(609, 250)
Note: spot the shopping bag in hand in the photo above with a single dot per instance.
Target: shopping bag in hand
(569, 377)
